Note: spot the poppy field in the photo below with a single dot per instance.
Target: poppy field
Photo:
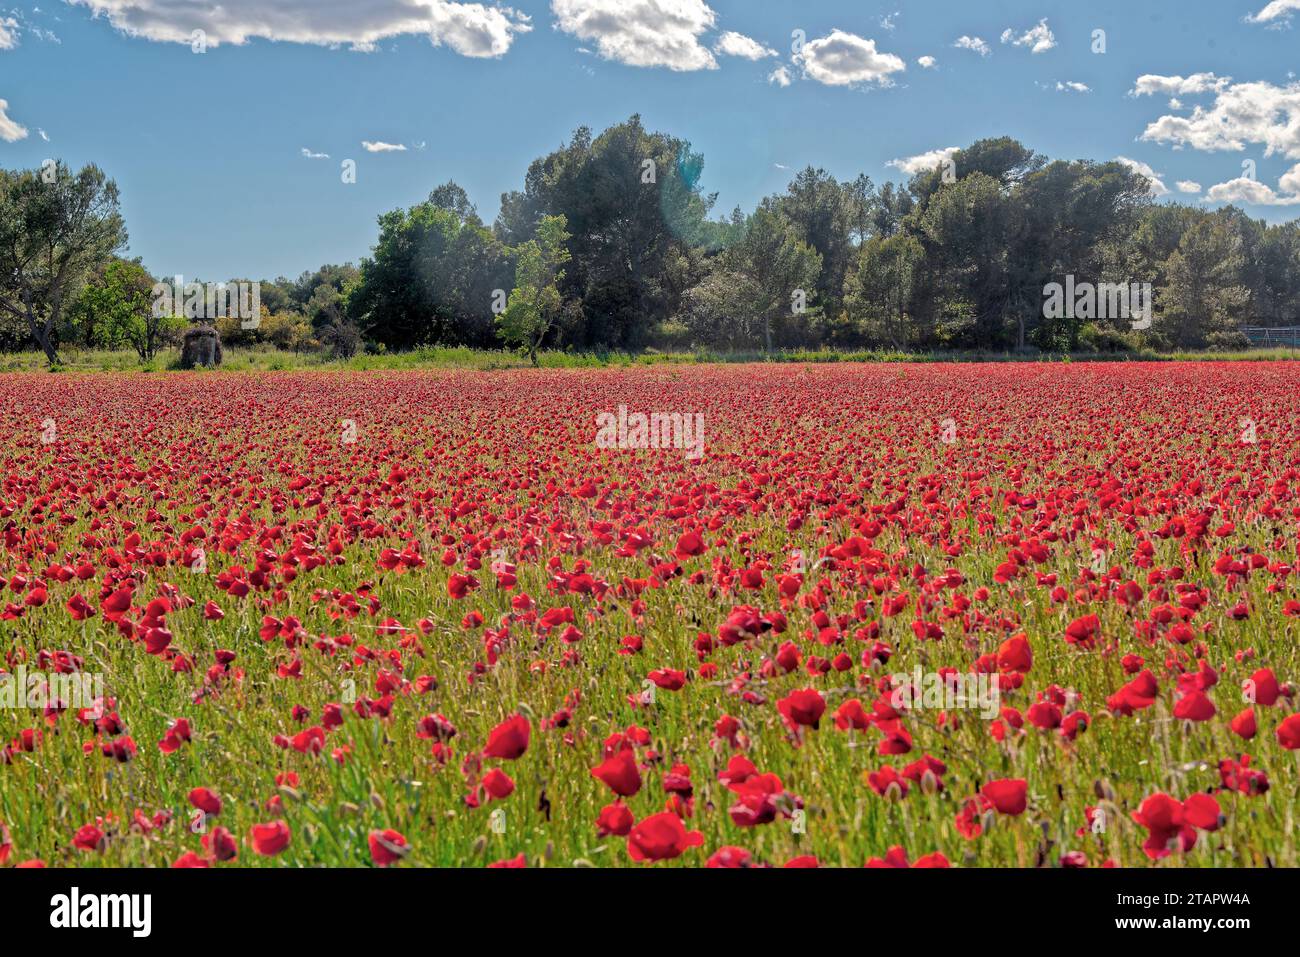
(1003, 615)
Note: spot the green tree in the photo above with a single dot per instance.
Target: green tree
(879, 290)
(639, 226)
(1203, 296)
(55, 229)
(815, 203)
(535, 301)
(431, 278)
(780, 270)
(118, 309)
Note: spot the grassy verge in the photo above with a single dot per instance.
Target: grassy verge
(440, 357)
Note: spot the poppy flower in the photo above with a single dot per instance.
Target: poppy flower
(88, 838)
(614, 819)
(803, 708)
(220, 844)
(661, 837)
(1288, 733)
(498, 784)
(1007, 795)
(270, 839)
(509, 739)
(619, 773)
(387, 847)
(205, 801)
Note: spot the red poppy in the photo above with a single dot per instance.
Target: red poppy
(803, 708)
(387, 847)
(509, 739)
(620, 773)
(270, 839)
(661, 837)
(205, 801)
(1007, 795)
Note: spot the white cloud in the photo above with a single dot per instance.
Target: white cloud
(1290, 181)
(732, 43)
(314, 156)
(1274, 10)
(973, 43)
(1150, 84)
(642, 32)
(8, 33)
(1252, 191)
(471, 29)
(1039, 38)
(1072, 86)
(381, 147)
(927, 62)
(1242, 114)
(1157, 187)
(846, 59)
(1188, 186)
(10, 131)
(922, 162)
(780, 76)
(42, 134)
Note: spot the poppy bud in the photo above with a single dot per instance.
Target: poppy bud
(1103, 790)
(929, 782)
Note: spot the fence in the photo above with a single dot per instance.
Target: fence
(1264, 337)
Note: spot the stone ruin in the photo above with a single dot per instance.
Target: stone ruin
(201, 347)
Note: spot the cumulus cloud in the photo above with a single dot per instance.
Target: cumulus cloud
(780, 76)
(1150, 84)
(1038, 38)
(1252, 191)
(1157, 187)
(846, 59)
(10, 130)
(923, 162)
(974, 44)
(471, 29)
(1242, 114)
(732, 43)
(1188, 186)
(308, 154)
(8, 33)
(1290, 181)
(927, 62)
(1276, 11)
(642, 32)
(1072, 86)
(382, 147)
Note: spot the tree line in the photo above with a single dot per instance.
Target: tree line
(611, 244)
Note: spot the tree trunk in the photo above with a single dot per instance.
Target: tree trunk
(43, 333)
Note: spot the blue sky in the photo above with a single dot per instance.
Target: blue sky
(208, 149)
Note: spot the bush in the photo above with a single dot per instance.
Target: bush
(1095, 338)
(1227, 341)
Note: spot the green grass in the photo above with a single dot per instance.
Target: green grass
(264, 359)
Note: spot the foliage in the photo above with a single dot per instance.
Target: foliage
(56, 228)
(535, 301)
